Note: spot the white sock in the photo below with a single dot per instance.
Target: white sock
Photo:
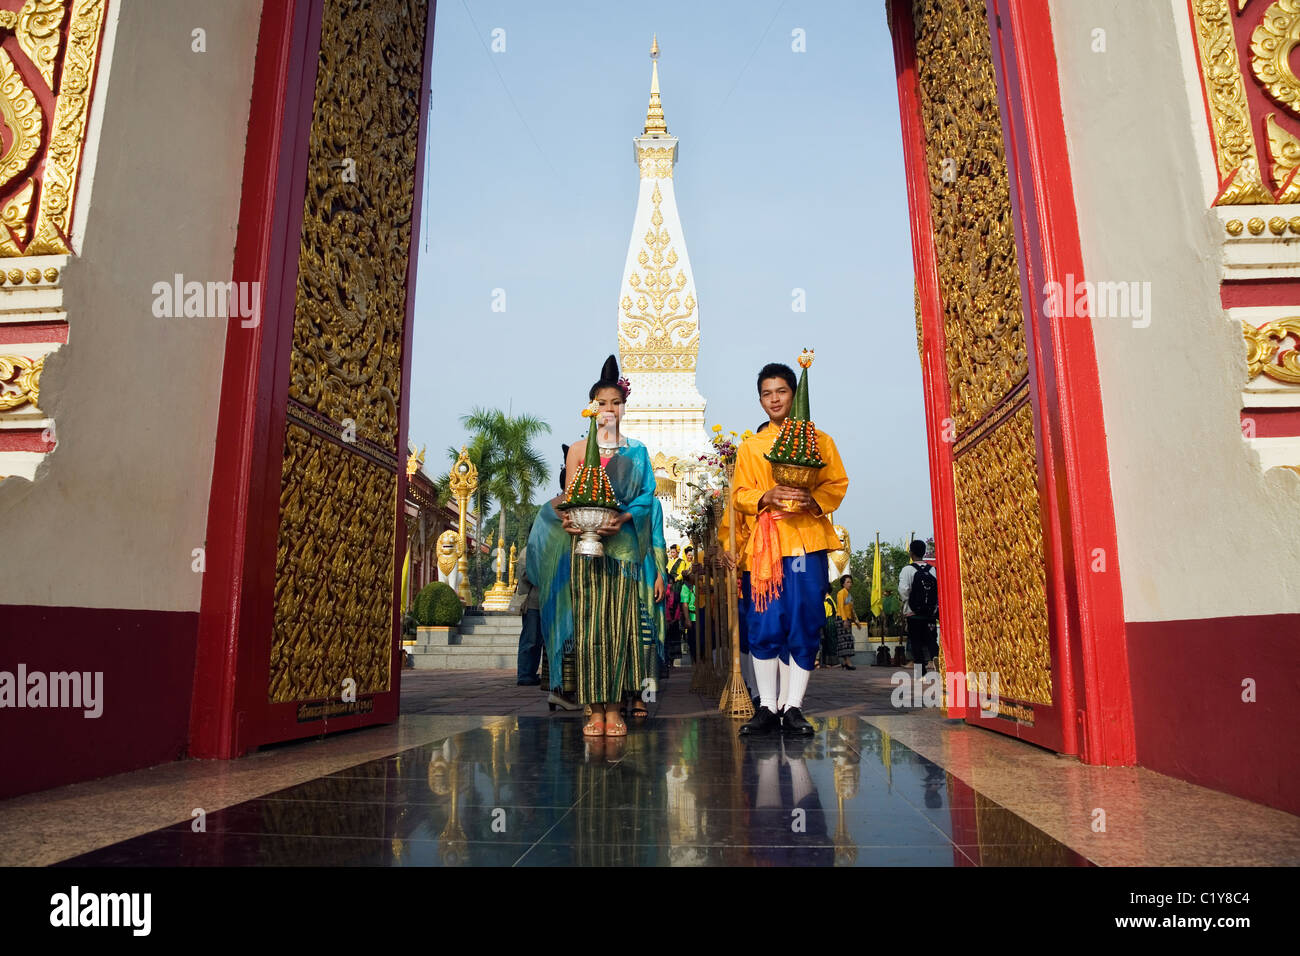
(798, 681)
(781, 699)
(765, 677)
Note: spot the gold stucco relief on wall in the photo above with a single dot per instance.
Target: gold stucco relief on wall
(60, 44)
(49, 60)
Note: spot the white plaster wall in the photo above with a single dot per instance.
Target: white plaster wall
(115, 511)
(1203, 530)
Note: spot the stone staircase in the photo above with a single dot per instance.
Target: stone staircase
(491, 640)
(487, 640)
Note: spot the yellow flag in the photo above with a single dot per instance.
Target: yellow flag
(406, 579)
(877, 601)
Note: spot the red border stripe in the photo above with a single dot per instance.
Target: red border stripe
(24, 439)
(1272, 292)
(24, 332)
(1273, 422)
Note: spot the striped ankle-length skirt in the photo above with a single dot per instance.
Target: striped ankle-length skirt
(606, 625)
(844, 637)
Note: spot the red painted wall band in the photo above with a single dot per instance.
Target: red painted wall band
(25, 439)
(1271, 422)
(1193, 684)
(1270, 292)
(144, 694)
(24, 332)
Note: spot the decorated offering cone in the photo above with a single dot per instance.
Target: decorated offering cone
(590, 498)
(794, 456)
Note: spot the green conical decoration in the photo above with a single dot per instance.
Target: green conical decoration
(590, 487)
(801, 412)
(593, 447)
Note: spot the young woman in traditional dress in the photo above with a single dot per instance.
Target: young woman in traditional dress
(603, 608)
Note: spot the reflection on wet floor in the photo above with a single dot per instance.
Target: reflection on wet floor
(681, 791)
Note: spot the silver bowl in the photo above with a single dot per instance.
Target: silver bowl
(589, 519)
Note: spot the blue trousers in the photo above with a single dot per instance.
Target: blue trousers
(790, 628)
(530, 646)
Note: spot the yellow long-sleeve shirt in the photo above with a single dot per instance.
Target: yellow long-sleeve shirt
(844, 602)
(800, 532)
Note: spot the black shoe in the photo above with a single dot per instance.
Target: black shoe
(764, 722)
(528, 682)
(794, 725)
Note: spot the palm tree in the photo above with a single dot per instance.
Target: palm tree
(517, 469)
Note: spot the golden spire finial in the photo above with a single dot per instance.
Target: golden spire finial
(654, 116)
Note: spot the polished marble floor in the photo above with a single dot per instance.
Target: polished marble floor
(679, 790)
(478, 771)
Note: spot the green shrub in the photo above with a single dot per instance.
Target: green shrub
(437, 606)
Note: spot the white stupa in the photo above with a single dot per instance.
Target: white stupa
(658, 317)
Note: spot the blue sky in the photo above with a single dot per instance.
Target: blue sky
(789, 175)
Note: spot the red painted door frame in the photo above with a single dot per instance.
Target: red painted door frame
(230, 712)
(1079, 520)
(1093, 713)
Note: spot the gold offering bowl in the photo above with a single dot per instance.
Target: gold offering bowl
(589, 518)
(795, 476)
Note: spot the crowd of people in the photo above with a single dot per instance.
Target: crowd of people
(605, 629)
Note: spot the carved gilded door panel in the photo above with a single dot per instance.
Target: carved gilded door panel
(333, 656)
(994, 579)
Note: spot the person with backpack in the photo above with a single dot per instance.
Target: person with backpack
(918, 591)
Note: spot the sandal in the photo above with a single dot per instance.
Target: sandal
(595, 726)
(640, 710)
(616, 730)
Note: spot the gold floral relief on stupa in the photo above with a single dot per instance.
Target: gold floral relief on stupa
(659, 328)
(41, 158)
(656, 162)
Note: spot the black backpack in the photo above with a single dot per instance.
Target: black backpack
(923, 600)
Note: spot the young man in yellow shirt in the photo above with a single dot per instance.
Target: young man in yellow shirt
(743, 527)
(785, 635)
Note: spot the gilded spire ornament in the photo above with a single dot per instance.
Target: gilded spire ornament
(654, 115)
